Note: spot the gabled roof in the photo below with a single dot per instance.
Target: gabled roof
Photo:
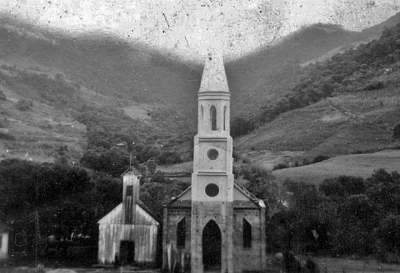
(144, 216)
(258, 202)
(214, 76)
(132, 170)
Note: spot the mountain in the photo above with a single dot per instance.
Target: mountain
(95, 90)
(78, 86)
(268, 74)
(349, 104)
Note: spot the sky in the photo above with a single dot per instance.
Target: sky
(187, 28)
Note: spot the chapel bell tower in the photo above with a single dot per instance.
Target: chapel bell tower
(212, 178)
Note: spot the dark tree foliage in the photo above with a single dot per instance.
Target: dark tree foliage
(67, 199)
(159, 191)
(396, 132)
(345, 216)
(2, 95)
(343, 186)
(388, 238)
(261, 184)
(240, 126)
(113, 161)
(169, 157)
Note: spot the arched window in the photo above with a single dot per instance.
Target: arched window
(247, 237)
(224, 118)
(213, 117)
(202, 112)
(181, 234)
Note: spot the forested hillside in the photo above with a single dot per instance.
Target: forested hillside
(347, 104)
(64, 94)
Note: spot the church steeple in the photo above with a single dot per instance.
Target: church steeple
(212, 177)
(214, 97)
(214, 76)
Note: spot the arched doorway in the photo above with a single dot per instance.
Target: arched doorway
(211, 246)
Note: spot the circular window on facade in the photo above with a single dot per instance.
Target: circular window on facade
(212, 190)
(212, 154)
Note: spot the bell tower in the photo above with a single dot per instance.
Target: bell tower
(212, 178)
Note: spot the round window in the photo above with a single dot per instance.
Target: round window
(212, 154)
(212, 190)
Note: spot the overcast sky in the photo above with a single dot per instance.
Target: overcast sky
(189, 27)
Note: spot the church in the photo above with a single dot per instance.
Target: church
(215, 225)
(128, 234)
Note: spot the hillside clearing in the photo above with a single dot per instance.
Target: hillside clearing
(351, 165)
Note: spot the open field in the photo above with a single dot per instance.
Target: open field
(361, 165)
(345, 124)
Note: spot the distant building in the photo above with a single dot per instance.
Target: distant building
(4, 241)
(128, 234)
(215, 225)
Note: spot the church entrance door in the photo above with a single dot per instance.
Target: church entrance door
(211, 246)
(127, 252)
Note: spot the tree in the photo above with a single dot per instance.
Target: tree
(113, 162)
(388, 235)
(357, 218)
(261, 183)
(396, 132)
(342, 186)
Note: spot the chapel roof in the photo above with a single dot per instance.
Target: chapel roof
(146, 217)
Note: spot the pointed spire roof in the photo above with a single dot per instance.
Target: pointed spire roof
(214, 76)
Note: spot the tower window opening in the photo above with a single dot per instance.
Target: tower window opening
(213, 116)
(129, 190)
(247, 237)
(181, 234)
(224, 118)
(202, 112)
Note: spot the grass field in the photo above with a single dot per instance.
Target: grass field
(361, 165)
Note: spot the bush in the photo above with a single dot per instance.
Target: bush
(375, 85)
(168, 157)
(396, 132)
(2, 95)
(241, 126)
(4, 122)
(24, 105)
(281, 166)
(6, 136)
(320, 158)
(388, 239)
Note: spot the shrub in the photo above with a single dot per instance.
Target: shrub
(388, 238)
(374, 85)
(2, 95)
(24, 105)
(241, 126)
(169, 157)
(4, 122)
(280, 166)
(6, 136)
(396, 131)
(320, 158)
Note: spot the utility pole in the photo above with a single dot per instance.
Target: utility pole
(129, 147)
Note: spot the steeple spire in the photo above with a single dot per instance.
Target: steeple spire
(214, 76)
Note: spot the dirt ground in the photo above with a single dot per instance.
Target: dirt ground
(327, 265)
